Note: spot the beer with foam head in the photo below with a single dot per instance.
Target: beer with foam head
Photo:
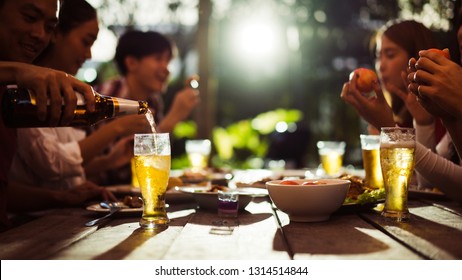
(152, 168)
(397, 159)
(370, 145)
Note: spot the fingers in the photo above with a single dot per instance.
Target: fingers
(70, 103)
(348, 95)
(41, 99)
(411, 64)
(434, 57)
(87, 92)
(107, 195)
(379, 93)
(192, 81)
(55, 100)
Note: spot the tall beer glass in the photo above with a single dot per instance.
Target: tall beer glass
(152, 167)
(370, 145)
(397, 150)
(331, 155)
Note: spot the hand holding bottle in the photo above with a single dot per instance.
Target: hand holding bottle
(55, 88)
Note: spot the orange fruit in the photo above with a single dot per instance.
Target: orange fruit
(365, 79)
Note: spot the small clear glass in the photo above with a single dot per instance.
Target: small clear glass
(228, 204)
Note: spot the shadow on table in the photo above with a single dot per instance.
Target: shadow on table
(333, 237)
(209, 218)
(431, 239)
(137, 238)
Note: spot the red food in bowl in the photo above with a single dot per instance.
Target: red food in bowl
(289, 182)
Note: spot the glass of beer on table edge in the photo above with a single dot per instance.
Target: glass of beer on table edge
(152, 167)
(370, 146)
(397, 159)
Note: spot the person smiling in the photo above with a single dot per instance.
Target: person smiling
(56, 157)
(26, 27)
(142, 58)
(434, 170)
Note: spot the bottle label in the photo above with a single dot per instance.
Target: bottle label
(125, 107)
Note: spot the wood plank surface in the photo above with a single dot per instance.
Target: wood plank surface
(260, 232)
(43, 237)
(433, 232)
(123, 238)
(253, 235)
(343, 236)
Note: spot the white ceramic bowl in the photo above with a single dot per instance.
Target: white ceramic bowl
(311, 203)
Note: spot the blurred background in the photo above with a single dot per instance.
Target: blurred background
(271, 70)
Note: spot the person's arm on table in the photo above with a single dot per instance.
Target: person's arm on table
(119, 155)
(26, 198)
(440, 172)
(454, 128)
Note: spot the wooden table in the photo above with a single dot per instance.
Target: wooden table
(433, 232)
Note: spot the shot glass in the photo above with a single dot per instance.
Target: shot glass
(331, 156)
(228, 204)
(397, 159)
(370, 146)
(198, 152)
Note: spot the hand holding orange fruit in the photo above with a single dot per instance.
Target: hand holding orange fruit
(365, 79)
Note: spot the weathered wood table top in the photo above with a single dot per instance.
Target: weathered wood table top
(260, 232)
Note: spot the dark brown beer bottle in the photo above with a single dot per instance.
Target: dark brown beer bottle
(19, 109)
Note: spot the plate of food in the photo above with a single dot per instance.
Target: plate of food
(203, 177)
(130, 205)
(257, 178)
(361, 194)
(206, 197)
(171, 196)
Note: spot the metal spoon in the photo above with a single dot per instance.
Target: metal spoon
(113, 208)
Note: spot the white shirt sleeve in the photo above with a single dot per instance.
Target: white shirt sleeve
(439, 172)
(425, 135)
(51, 154)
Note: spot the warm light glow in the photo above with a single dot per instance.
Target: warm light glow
(90, 75)
(255, 39)
(281, 127)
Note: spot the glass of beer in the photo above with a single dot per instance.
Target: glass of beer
(331, 155)
(152, 168)
(397, 151)
(198, 152)
(135, 182)
(370, 146)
